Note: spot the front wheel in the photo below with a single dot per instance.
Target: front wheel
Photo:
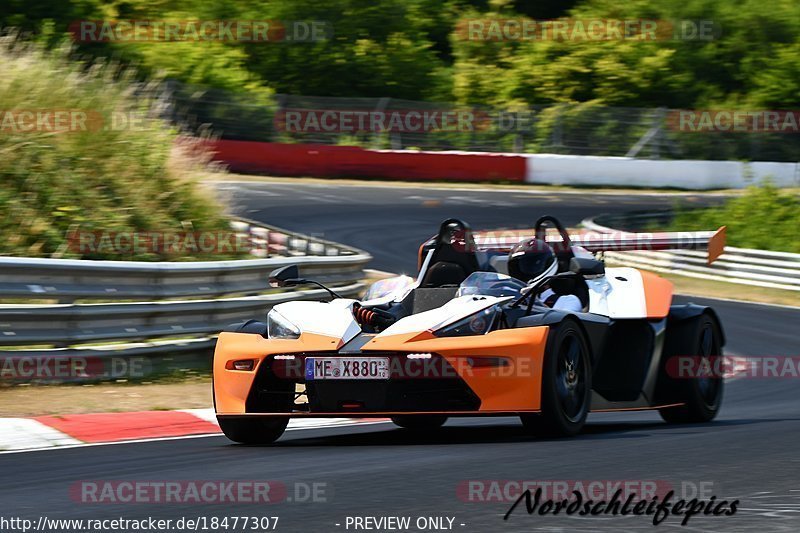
(566, 384)
(254, 430)
(419, 422)
(701, 395)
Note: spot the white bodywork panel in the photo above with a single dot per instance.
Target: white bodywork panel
(450, 312)
(619, 294)
(334, 319)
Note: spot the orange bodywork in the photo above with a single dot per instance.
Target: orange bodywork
(657, 294)
(514, 387)
(419, 256)
(716, 246)
(231, 387)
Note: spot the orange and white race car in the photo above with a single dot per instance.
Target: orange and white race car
(470, 337)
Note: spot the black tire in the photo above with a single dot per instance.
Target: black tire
(419, 422)
(566, 384)
(254, 430)
(701, 396)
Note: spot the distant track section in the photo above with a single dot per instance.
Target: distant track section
(331, 161)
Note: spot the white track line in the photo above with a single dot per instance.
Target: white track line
(295, 423)
(296, 427)
(411, 186)
(19, 434)
(734, 300)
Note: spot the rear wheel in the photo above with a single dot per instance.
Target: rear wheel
(566, 384)
(254, 430)
(419, 422)
(701, 395)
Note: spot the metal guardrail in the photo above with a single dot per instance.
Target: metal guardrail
(84, 323)
(745, 266)
(153, 316)
(67, 280)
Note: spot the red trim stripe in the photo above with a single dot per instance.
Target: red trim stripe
(113, 427)
(325, 161)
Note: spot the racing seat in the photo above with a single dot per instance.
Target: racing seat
(424, 299)
(574, 281)
(570, 283)
(453, 256)
(444, 273)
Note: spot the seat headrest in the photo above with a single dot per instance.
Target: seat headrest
(444, 273)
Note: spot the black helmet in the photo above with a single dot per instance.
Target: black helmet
(532, 259)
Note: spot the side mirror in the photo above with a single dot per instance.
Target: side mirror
(587, 267)
(284, 276)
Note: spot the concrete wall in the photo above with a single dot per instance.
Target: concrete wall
(682, 174)
(551, 169)
(350, 161)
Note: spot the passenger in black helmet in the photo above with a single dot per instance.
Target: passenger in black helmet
(532, 260)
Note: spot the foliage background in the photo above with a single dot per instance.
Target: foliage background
(403, 49)
(410, 49)
(125, 179)
(764, 217)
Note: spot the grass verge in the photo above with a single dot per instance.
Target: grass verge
(732, 291)
(84, 151)
(763, 217)
(105, 397)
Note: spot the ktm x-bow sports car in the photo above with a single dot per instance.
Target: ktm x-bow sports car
(465, 338)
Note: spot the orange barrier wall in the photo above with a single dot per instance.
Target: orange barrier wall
(350, 161)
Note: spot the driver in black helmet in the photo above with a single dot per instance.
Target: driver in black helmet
(532, 260)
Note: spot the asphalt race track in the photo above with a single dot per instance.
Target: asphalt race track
(750, 453)
(391, 222)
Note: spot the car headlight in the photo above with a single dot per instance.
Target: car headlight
(280, 327)
(478, 324)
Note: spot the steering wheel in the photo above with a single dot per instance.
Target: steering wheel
(502, 285)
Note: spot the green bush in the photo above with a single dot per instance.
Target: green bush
(764, 217)
(102, 176)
